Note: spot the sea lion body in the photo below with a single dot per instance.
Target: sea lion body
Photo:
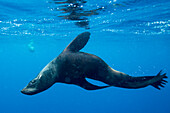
(73, 66)
(83, 65)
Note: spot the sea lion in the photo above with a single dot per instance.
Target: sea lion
(73, 66)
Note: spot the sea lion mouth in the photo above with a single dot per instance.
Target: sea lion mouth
(29, 91)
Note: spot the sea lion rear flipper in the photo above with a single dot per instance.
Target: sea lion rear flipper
(143, 81)
(160, 82)
(78, 43)
(88, 86)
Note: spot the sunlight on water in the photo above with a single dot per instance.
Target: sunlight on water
(53, 16)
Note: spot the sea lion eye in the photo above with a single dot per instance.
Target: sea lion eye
(32, 82)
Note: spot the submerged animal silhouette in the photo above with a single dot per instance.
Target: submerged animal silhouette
(73, 66)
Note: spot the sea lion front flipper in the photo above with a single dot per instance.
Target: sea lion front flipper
(78, 43)
(88, 86)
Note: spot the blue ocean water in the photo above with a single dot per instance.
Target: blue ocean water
(132, 36)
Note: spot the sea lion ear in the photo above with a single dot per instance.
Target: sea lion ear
(78, 43)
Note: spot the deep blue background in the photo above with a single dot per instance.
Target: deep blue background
(134, 56)
(135, 42)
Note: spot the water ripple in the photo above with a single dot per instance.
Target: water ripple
(52, 17)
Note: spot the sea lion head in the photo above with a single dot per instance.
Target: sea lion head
(45, 79)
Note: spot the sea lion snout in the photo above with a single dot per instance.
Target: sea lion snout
(29, 91)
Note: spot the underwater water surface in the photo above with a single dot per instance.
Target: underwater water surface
(131, 36)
